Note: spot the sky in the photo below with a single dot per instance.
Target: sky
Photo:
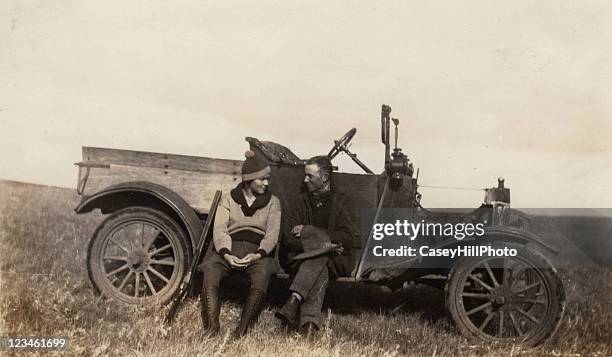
(483, 89)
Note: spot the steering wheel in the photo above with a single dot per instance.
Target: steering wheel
(341, 144)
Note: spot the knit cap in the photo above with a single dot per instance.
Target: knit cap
(253, 168)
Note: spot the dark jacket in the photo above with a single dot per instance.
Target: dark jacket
(341, 228)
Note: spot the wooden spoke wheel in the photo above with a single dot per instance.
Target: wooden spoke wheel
(518, 298)
(138, 256)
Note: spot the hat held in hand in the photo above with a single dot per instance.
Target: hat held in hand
(315, 242)
(254, 168)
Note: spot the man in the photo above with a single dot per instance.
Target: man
(318, 239)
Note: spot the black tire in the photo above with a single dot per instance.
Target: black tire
(519, 299)
(138, 256)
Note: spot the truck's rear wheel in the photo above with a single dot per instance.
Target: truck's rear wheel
(138, 256)
(517, 298)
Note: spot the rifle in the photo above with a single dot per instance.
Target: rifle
(201, 249)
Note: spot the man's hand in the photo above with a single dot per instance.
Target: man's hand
(297, 230)
(250, 258)
(234, 262)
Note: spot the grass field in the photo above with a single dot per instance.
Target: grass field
(44, 290)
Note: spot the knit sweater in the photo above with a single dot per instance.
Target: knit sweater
(230, 219)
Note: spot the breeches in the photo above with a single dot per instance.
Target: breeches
(216, 269)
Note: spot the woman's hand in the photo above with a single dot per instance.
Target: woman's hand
(234, 261)
(250, 258)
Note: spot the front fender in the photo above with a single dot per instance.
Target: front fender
(503, 234)
(511, 234)
(147, 194)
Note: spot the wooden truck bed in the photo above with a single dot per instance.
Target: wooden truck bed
(194, 178)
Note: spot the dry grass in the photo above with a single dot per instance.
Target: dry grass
(45, 291)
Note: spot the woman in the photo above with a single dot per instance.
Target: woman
(246, 229)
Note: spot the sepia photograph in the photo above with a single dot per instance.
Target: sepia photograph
(306, 178)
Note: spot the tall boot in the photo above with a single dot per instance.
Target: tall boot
(250, 311)
(210, 310)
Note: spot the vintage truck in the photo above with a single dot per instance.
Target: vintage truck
(156, 204)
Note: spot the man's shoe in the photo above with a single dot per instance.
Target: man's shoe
(309, 330)
(288, 313)
(211, 308)
(250, 312)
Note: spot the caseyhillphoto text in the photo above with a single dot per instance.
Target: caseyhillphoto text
(461, 251)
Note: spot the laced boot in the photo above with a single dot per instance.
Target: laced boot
(210, 310)
(288, 313)
(250, 312)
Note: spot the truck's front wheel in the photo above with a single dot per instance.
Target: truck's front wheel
(138, 256)
(517, 298)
